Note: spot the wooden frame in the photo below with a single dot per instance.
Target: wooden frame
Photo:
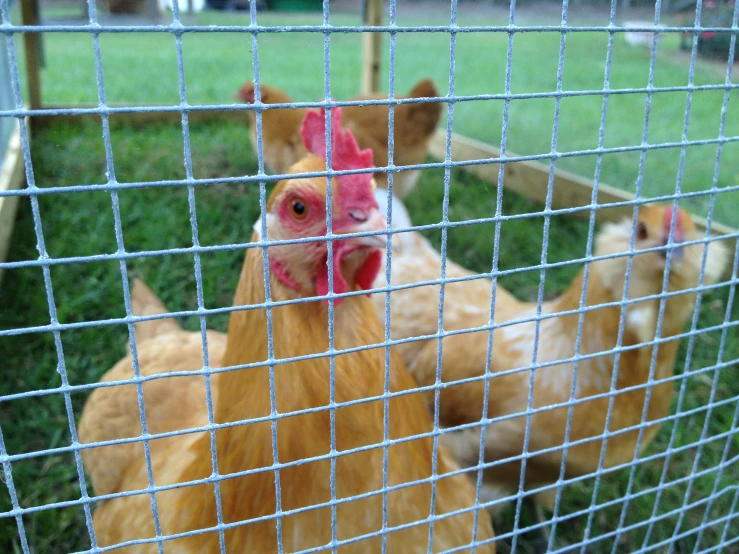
(12, 174)
(12, 170)
(137, 118)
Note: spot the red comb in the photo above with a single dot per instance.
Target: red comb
(345, 152)
(246, 93)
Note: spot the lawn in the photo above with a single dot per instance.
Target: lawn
(81, 224)
(217, 64)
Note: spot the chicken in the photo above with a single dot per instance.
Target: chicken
(295, 210)
(414, 125)
(414, 312)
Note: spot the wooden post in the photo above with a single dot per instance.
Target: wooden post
(32, 41)
(371, 47)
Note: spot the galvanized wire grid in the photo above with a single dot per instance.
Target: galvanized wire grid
(177, 29)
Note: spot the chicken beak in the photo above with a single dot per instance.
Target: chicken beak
(395, 243)
(678, 250)
(678, 234)
(375, 221)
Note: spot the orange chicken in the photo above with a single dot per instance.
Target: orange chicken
(414, 312)
(296, 210)
(414, 125)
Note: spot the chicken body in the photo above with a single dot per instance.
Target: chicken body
(414, 312)
(414, 125)
(172, 403)
(247, 449)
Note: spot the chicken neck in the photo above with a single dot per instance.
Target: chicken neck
(297, 330)
(600, 330)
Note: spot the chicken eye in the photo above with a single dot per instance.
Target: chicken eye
(641, 231)
(299, 209)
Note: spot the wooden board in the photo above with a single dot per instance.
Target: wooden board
(530, 180)
(12, 173)
(137, 119)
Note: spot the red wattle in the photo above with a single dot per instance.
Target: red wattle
(282, 274)
(369, 270)
(364, 277)
(340, 285)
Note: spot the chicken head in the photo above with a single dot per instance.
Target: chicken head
(297, 209)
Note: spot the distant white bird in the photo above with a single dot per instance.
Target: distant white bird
(636, 38)
(197, 5)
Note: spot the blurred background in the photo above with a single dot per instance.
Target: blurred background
(140, 69)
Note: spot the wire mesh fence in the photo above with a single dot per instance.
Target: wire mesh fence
(623, 385)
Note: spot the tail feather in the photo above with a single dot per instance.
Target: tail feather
(424, 89)
(423, 119)
(144, 302)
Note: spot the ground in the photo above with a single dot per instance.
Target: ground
(81, 224)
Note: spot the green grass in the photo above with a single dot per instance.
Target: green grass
(81, 224)
(141, 69)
